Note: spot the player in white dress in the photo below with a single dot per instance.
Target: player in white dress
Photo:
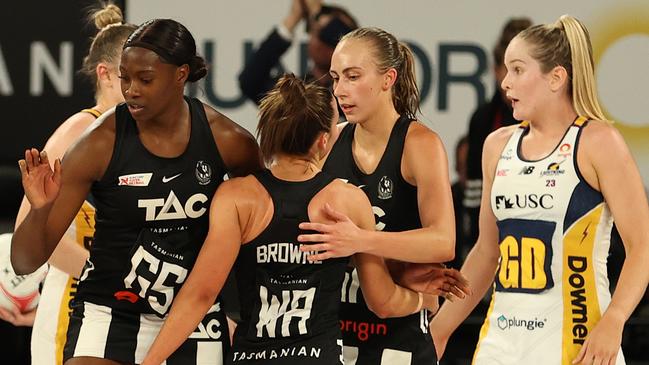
(101, 67)
(552, 186)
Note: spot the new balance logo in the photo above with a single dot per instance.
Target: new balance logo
(526, 170)
(167, 179)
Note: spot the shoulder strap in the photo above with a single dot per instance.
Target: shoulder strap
(201, 130)
(96, 113)
(397, 139)
(580, 121)
(514, 139)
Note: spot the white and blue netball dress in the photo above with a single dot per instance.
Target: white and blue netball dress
(551, 287)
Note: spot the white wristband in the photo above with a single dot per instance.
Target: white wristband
(284, 32)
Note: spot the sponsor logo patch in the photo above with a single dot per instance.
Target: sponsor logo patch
(507, 323)
(140, 179)
(532, 201)
(507, 155)
(554, 169)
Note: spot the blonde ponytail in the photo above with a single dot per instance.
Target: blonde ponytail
(584, 87)
(107, 44)
(566, 43)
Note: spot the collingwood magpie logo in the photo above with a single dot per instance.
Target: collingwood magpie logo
(385, 188)
(203, 172)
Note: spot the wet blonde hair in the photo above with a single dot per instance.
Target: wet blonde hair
(390, 53)
(566, 43)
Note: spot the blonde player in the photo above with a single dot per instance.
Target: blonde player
(101, 66)
(552, 186)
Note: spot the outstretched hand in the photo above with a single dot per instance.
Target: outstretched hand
(339, 239)
(40, 182)
(434, 279)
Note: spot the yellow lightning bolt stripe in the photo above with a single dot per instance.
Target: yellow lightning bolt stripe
(580, 303)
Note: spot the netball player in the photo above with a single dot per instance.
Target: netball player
(289, 304)
(402, 167)
(152, 165)
(101, 66)
(552, 187)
